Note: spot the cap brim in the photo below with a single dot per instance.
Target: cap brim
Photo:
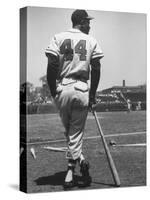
(89, 17)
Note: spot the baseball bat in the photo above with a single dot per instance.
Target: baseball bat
(109, 157)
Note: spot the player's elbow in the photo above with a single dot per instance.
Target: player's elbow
(53, 60)
(52, 66)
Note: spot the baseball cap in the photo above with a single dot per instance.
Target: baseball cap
(79, 15)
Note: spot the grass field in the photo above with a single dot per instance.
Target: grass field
(46, 173)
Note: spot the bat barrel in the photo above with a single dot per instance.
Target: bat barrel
(109, 157)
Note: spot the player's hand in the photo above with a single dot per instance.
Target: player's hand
(53, 94)
(57, 91)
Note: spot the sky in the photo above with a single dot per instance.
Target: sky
(122, 37)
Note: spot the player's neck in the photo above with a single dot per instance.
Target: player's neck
(78, 27)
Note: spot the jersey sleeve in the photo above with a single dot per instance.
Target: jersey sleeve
(97, 51)
(53, 47)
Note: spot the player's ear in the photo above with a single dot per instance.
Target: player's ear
(83, 22)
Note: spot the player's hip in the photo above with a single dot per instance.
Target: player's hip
(69, 91)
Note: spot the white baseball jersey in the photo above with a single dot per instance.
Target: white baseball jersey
(75, 51)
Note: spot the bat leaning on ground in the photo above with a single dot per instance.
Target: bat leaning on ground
(109, 157)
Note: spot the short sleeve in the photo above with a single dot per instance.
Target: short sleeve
(53, 47)
(97, 51)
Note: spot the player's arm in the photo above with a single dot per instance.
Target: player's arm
(95, 78)
(52, 71)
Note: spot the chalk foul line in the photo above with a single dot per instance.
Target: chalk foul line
(88, 138)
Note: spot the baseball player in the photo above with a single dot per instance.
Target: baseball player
(129, 105)
(73, 57)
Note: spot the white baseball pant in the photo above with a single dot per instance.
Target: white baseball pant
(72, 101)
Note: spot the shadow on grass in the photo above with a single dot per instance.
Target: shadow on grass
(104, 184)
(58, 179)
(55, 179)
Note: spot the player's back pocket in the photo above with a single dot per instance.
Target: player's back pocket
(81, 86)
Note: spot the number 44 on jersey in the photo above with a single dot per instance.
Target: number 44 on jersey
(67, 50)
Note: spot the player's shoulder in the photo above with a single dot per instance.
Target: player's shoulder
(61, 35)
(92, 39)
(77, 33)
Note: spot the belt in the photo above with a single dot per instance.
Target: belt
(66, 81)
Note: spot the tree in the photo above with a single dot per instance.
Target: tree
(26, 92)
(45, 88)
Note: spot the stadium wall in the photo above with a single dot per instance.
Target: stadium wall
(101, 107)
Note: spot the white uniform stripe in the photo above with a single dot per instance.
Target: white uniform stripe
(50, 51)
(98, 55)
